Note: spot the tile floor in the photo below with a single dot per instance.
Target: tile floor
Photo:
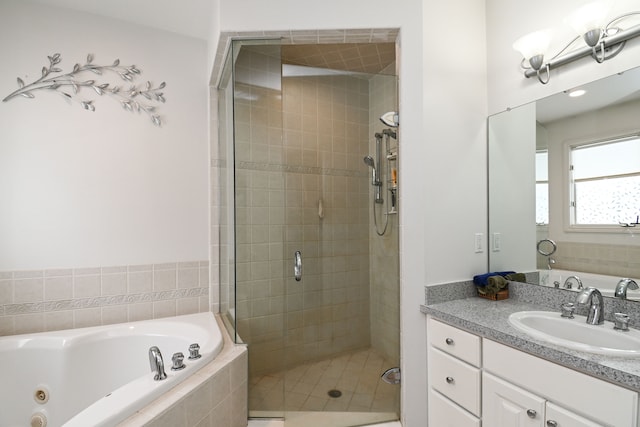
(356, 375)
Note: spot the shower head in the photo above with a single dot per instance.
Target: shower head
(390, 119)
(368, 160)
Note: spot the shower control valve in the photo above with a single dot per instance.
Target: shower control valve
(194, 351)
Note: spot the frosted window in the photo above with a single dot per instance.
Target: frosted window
(542, 187)
(606, 182)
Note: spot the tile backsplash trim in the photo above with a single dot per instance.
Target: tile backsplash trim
(47, 300)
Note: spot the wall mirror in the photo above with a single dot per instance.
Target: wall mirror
(534, 194)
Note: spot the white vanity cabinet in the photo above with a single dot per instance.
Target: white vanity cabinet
(475, 381)
(454, 376)
(569, 398)
(507, 405)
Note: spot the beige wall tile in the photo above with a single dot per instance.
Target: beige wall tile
(28, 290)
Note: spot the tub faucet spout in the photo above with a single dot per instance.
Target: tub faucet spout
(622, 286)
(567, 283)
(593, 297)
(157, 364)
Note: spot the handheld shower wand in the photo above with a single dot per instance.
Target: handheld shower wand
(368, 160)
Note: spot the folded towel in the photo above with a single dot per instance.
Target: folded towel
(495, 284)
(516, 277)
(481, 279)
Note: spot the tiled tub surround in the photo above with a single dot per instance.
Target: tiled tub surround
(611, 260)
(215, 396)
(455, 304)
(49, 300)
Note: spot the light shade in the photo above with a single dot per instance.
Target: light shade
(591, 16)
(533, 44)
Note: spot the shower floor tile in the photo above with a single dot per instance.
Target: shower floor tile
(356, 375)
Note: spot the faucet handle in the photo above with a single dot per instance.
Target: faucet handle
(177, 360)
(194, 351)
(567, 309)
(621, 321)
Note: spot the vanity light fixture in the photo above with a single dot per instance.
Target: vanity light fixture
(603, 40)
(533, 47)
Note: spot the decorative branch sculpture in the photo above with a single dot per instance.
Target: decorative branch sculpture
(69, 85)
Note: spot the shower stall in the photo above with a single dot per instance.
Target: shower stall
(306, 281)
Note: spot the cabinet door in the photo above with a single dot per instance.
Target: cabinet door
(560, 417)
(505, 405)
(444, 413)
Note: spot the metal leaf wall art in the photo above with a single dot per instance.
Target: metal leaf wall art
(140, 98)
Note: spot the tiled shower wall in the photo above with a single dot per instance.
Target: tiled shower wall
(48, 300)
(384, 250)
(282, 177)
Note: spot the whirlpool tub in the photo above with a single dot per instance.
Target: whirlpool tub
(97, 376)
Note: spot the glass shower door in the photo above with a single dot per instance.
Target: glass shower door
(260, 261)
(318, 345)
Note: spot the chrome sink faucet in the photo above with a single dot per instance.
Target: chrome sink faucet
(567, 283)
(622, 286)
(157, 364)
(593, 297)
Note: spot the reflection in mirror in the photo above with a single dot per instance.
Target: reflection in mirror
(591, 210)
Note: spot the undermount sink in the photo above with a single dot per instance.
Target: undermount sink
(577, 334)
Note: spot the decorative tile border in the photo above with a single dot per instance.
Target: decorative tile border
(45, 300)
(310, 170)
(81, 303)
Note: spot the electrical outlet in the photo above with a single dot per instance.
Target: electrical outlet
(478, 242)
(497, 243)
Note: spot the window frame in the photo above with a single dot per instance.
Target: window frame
(569, 205)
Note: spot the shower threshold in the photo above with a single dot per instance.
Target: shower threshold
(325, 419)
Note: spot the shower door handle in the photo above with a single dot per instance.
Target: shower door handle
(297, 266)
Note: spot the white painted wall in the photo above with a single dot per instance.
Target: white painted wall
(507, 20)
(83, 189)
(512, 141)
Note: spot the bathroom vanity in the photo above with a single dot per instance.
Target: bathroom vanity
(483, 371)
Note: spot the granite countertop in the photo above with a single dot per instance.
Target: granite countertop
(489, 319)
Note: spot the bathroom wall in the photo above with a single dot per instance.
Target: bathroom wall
(508, 20)
(442, 103)
(55, 299)
(384, 250)
(91, 197)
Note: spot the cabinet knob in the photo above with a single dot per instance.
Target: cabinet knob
(531, 413)
(551, 423)
(449, 341)
(449, 380)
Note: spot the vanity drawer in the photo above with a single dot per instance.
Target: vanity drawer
(455, 379)
(456, 342)
(445, 413)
